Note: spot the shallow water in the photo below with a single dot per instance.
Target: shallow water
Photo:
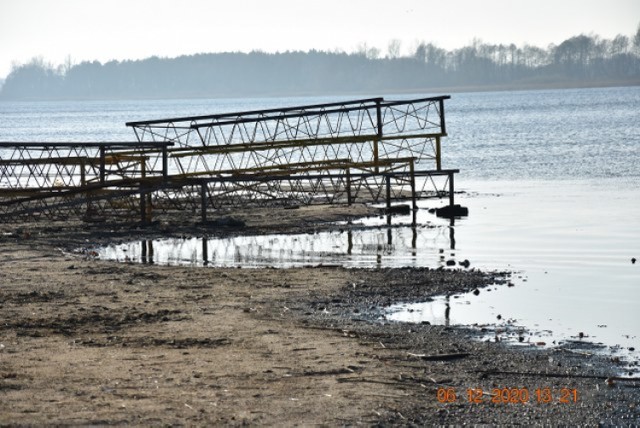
(569, 245)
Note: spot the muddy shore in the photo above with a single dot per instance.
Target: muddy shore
(92, 342)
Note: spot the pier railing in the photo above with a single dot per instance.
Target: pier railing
(368, 150)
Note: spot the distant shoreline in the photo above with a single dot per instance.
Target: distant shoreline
(426, 90)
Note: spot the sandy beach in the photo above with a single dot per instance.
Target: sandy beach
(90, 342)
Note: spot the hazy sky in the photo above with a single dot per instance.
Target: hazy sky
(131, 29)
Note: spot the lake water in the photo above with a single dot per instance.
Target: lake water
(551, 178)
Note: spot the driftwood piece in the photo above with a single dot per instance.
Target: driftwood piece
(440, 357)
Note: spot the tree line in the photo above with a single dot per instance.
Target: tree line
(578, 61)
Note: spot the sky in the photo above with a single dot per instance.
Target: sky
(104, 30)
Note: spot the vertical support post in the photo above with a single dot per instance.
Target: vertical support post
(375, 156)
(103, 165)
(443, 126)
(412, 176)
(438, 154)
(147, 195)
(165, 163)
(83, 173)
(376, 142)
(388, 180)
(451, 189)
(388, 185)
(349, 200)
(203, 201)
(83, 182)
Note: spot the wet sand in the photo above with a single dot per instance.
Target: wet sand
(85, 341)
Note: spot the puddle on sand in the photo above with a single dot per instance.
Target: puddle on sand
(353, 246)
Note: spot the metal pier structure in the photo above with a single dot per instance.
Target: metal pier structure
(366, 151)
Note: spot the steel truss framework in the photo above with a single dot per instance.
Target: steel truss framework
(368, 150)
(62, 179)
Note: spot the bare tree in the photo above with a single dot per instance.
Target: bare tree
(636, 41)
(619, 45)
(420, 54)
(368, 52)
(393, 49)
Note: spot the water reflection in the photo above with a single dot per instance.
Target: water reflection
(146, 252)
(353, 245)
(417, 240)
(447, 313)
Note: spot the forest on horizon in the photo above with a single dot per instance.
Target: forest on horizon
(584, 60)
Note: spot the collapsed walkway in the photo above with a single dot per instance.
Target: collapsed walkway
(365, 151)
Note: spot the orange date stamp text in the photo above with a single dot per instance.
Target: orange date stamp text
(544, 395)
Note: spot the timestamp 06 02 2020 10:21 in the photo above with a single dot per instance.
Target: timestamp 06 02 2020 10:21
(543, 395)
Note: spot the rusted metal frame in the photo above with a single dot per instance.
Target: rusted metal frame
(247, 184)
(279, 154)
(305, 167)
(267, 158)
(414, 148)
(37, 168)
(43, 193)
(428, 135)
(114, 145)
(252, 187)
(112, 159)
(283, 116)
(46, 193)
(243, 147)
(362, 175)
(55, 160)
(96, 195)
(297, 167)
(250, 112)
(209, 136)
(400, 118)
(393, 163)
(289, 132)
(159, 134)
(276, 156)
(143, 156)
(448, 187)
(256, 186)
(101, 146)
(64, 173)
(391, 103)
